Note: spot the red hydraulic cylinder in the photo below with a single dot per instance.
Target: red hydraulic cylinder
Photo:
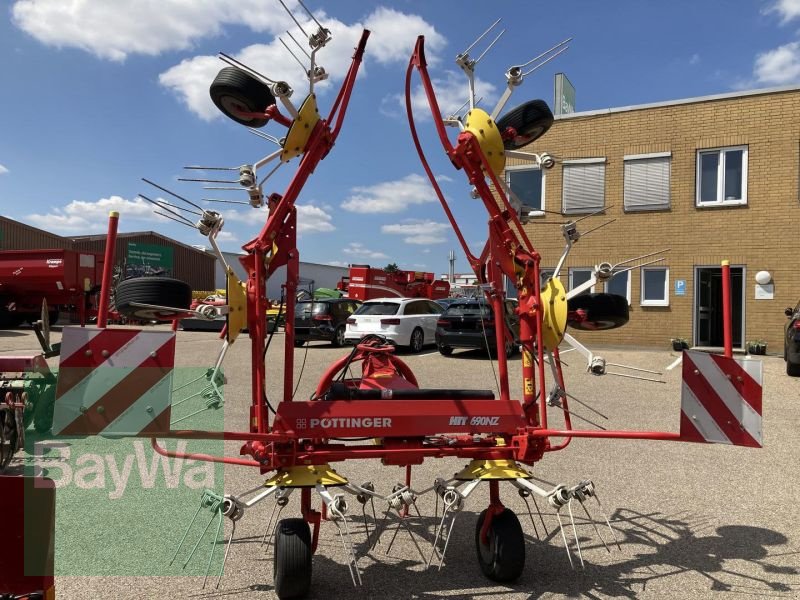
(108, 268)
(726, 308)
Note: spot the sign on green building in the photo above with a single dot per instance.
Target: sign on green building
(148, 259)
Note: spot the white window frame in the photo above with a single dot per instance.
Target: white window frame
(565, 166)
(665, 301)
(721, 201)
(572, 270)
(540, 211)
(627, 287)
(632, 159)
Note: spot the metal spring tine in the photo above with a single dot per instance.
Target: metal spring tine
(481, 36)
(635, 377)
(610, 528)
(187, 384)
(598, 227)
(303, 50)
(650, 262)
(624, 262)
(564, 537)
(394, 536)
(439, 529)
(530, 514)
(413, 539)
(296, 22)
(310, 14)
(224, 201)
(213, 547)
(489, 47)
(200, 539)
(352, 548)
(447, 540)
(225, 557)
(545, 53)
(197, 412)
(635, 368)
(544, 62)
(275, 527)
(213, 187)
(183, 539)
(575, 531)
(596, 529)
(581, 402)
(164, 203)
(199, 168)
(171, 193)
(512, 194)
(270, 174)
(289, 50)
(235, 63)
(380, 528)
(266, 136)
(374, 516)
(208, 180)
(366, 525)
(351, 561)
(161, 206)
(269, 523)
(597, 212)
(577, 416)
(174, 219)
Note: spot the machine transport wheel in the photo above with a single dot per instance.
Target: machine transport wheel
(531, 120)
(503, 558)
(233, 91)
(792, 369)
(338, 337)
(603, 311)
(445, 350)
(158, 291)
(292, 563)
(43, 408)
(416, 341)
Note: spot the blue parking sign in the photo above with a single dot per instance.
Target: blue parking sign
(680, 287)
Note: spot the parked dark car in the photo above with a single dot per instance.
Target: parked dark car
(322, 320)
(791, 341)
(469, 323)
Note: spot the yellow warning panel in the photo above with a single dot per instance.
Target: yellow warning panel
(237, 307)
(482, 126)
(554, 316)
(306, 476)
(492, 469)
(300, 131)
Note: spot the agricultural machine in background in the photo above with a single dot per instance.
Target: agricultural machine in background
(292, 443)
(366, 283)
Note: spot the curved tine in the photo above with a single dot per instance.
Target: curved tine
(544, 62)
(155, 212)
(575, 531)
(436, 537)
(183, 539)
(269, 523)
(165, 204)
(366, 525)
(162, 207)
(303, 50)
(379, 529)
(413, 539)
(225, 557)
(344, 547)
(352, 547)
(207, 180)
(310, 14)
(394, 536)
(240, 65)
(564, 537)
(223, 201)
(447, 541)
(530, 514)
(582, 403)
(596, 529)
(299, 62)
(592, 214)
(584, 234)
(270, 174)
(610, 528)
(545, 53)
(624, 262)
(213, 546)
(634, 368)
(489, 47)
(296, 22)
(171, 193)
(481, 36)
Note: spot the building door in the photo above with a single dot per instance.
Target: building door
(708, 306)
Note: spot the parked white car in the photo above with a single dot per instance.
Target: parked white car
(403, 321)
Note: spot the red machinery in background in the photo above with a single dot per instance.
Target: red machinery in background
(366, 283)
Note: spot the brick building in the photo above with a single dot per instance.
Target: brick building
(711, 178)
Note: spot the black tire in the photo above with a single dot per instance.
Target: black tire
(234, 88)
(174, 294)
(292, 563)
(43, 409)
(530, 120)
(792, 369)
(445, 350)
(504, 557)
(603, 311)
(416, 341)
(338, 337)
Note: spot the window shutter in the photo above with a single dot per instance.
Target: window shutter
(647, 183)
(584, 187)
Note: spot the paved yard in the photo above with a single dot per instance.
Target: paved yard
(694, 521)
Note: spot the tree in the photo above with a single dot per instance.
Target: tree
(391, 268)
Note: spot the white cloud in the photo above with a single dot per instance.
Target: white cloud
(82, 217)
(452, 91)
(312, 219)
(694, 59)
(115, 30)
(786, 9)
(416, 231)
(358, 250)
(779, 66)
(394, 35)
(337, 263)
(3, 170)
(390, 196)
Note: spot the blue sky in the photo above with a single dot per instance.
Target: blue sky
(98, 94)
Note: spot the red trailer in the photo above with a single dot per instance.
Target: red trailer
(366, 283)
(65, 278)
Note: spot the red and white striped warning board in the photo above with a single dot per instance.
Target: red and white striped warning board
(114, 381)
(721, 400)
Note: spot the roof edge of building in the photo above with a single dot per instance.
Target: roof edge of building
(693, 100)
(102, 236)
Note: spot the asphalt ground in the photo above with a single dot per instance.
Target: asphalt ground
(693, 520)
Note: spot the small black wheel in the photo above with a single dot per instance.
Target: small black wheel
(530, 120)
(503, 558)
(299, 343)
(234, 91)
(792, 369)
(43, 408)
(292, 563)
(416, 341)
(603, 311)
(173, 294)
(445, 350)
(338, 337)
